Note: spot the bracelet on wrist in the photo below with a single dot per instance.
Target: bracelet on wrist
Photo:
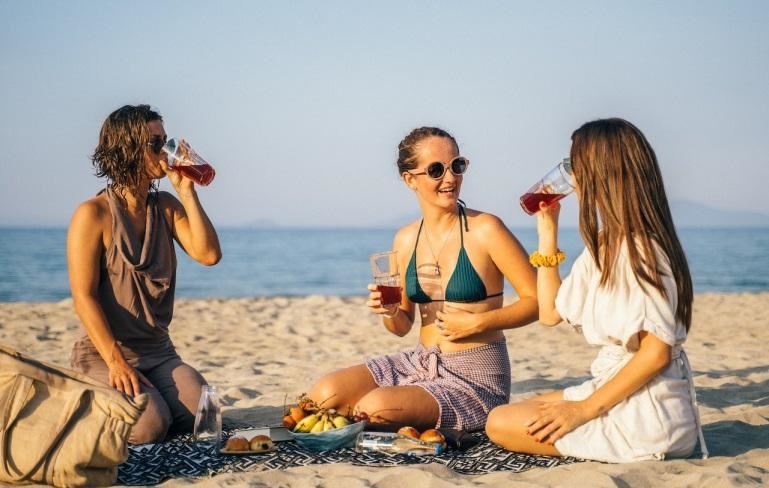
(539, 261)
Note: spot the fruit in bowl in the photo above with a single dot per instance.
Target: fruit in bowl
(293, 416)
(320, 429)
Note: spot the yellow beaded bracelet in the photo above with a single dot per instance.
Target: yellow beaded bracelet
(537, 260)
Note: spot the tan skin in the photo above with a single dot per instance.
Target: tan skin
(495, 254)
(533, 426)
(89, 237)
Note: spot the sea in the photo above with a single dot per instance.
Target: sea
(313, 261)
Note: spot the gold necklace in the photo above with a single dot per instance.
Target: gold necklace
(436, 268)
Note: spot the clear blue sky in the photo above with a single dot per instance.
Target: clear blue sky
(300, 105)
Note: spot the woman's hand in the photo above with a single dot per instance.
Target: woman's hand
(181, 184)
(374, 303)
(556, 419)
(123, 377)
(455, 323)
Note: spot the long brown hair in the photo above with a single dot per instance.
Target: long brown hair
(622, 199)
(123, 140)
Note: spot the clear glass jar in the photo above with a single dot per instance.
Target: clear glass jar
(395, 444)
(208, 419)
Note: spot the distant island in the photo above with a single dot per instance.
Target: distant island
(692, 214)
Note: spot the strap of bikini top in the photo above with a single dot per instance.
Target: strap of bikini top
(462, 215)
(419, 232)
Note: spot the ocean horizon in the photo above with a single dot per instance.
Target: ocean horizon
(284, 261)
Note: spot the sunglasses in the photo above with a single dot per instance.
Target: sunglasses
(157, 143)
(437, 169)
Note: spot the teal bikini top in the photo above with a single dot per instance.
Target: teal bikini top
(464, 286)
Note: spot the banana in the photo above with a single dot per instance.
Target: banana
(307, 423)
(340, 421)
(321, 422)
(318, 427)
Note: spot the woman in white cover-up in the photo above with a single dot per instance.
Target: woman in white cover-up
(631, 293)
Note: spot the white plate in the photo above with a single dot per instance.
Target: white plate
(277, 434)
(246, 453)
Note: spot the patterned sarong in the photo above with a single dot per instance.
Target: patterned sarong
(466, 384)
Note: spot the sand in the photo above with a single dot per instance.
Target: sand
(258, 350)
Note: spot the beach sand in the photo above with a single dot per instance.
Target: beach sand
(258, 350)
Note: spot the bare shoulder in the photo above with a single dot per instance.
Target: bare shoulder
(170, 205)
(92, 212)
(406, 235)
(91, 223)
(486, 224)
(167, 200)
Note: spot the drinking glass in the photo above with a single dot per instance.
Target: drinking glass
(555, 185)
(384, 267)
(184, 159)
(208, 420)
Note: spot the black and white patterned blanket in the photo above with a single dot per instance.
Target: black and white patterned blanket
(180, 457)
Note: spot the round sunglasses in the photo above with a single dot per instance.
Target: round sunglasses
(157, 143)
(436, 170)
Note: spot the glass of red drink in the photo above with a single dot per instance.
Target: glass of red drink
(184, 159)
(556, 184)
(384, 267)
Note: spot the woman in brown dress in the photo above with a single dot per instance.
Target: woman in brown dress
(122, 271)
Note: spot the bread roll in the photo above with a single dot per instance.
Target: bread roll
(409, 431)
(261, 443)
(433, 435)
(236, 443)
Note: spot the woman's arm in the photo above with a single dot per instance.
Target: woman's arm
(548, 278)
(85, 247)
(510, 258)
(192, 228)
(396, 319)
(558, 418)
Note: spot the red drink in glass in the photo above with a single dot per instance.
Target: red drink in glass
(556, 184)
(391, 295)
(384, 267)
(530, 201)
(183, 159)
(202, 174)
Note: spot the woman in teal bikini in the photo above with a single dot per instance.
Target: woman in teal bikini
(453, 256)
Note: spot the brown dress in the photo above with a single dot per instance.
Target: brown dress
(136, 292)
(136, 289)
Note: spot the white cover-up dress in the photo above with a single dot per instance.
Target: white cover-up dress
(661, 418)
